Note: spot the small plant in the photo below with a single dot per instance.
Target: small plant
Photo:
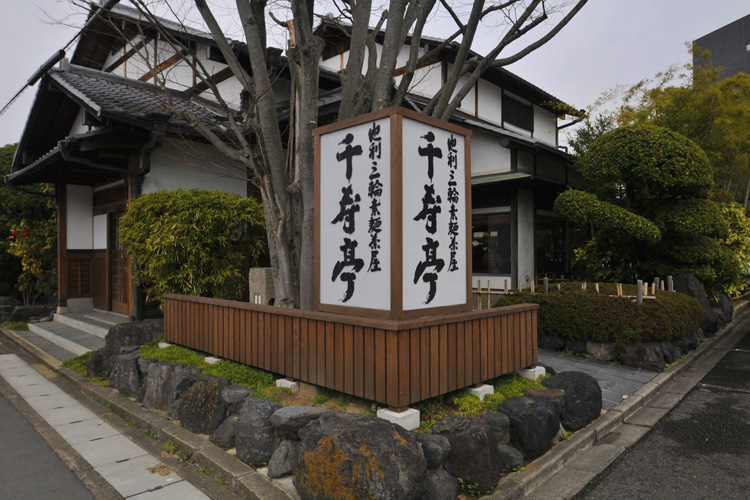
(565, 434)
(206, 470)
(343, 403)
(170, 448)
(147, 432)
(471, 489)
(132, 423)
(16, 325)
(519, 468)
(321, 397)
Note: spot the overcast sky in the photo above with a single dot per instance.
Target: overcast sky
(610, 42)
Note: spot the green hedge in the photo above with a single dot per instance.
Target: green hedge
(587, 316)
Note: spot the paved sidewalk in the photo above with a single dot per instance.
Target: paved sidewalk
(617, 382)
(131, 470)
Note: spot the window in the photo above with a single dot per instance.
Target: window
(550, 245)
(490, 245)
(517, 113)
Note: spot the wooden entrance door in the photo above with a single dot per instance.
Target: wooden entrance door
(118, 267)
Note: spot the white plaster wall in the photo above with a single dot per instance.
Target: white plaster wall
(490, 102)
(468, 104)
(79, 217)
(78, 126)
(188, 165)
(487, 155)
(526, 250)
(519, 130)
(100, 232)
(545, 126)
(426, 81)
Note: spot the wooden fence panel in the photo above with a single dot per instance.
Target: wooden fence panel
(393, 362)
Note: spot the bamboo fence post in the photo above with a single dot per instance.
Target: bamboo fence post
(670, 284)
(597, 288)
(546, 285)
(505, 287)
(479, 295)
(639, 292)
(489, 296)
(532, 287)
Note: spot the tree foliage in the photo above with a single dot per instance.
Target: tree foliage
(192, 242)
(697, 103)
(649, 203)
(19, 211)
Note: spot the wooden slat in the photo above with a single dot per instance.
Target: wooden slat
(443, 358)
(330, 361)
(517, 342)
(322, 350)
(485, 344)
(369, 368)
(476, 372)
(524, 334)
(359, 362)
(452, 352)
(348, 359)
(290, 347)
(498, 329)
(490, 326)
(414, 353)
(468, 353)
(381, 389)
(392, 368)
(404, 358)
(434, 361)
(338, 352)
(460, 355)
(302, 360)
(424, 362)
(266, 347)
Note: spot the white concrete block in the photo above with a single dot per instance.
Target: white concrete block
(212, 360)
(532, 373)
(481, 391)
(288, 384)
(408, 419)
(162, 345)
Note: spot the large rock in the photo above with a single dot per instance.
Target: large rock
(690, 285)
(498, 422)
(284, 459)
(256, 438)
(349, 456)
(582, 402)
(649, 356)
(143, 364)
(533, 424)
(289, 420)
(557, 396)
(101, 361)
(223, 437)
(474, 456)
(671, 352)
(202, 409)
(695, 338)
(440, 485)
(436, 449)
(166, 382)
(510, 458)
(722, 307)
(603, 351)
(234, 397)
(126, 377)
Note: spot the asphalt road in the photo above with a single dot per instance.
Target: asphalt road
(699, 450)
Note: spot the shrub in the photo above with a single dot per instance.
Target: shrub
(35, 243)
(581, 315)
(193, 242)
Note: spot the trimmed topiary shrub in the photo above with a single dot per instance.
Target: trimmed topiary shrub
(193, 242)
(592, 317)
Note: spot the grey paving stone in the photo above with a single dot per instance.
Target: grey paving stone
(66, 415)
(133, 476)
(607, 404)
(563, 485)
(664, 400)
(597, 458)
(109, 450)
(625, 435)
(181, 490)
(642, 376)
(86, 431)
(647, 416)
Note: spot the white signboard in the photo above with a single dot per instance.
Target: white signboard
(434, 217)
(355, 216)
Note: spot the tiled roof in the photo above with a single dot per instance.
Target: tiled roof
(111, 96)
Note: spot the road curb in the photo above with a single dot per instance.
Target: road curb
(242, 478)
(518, 485)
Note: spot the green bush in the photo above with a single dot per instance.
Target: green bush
(192, 242)
(582, 315)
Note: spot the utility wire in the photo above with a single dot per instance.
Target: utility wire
(31, 83)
